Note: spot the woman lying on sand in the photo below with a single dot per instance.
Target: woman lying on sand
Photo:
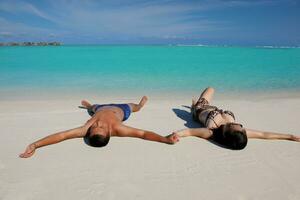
(221, 127)
(106, 122)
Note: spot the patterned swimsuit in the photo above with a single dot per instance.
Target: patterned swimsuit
(203, 105)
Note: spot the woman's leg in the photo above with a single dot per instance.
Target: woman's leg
(204, 99)
(207, 94)
(136, 107)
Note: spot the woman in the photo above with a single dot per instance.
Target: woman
(220, 125)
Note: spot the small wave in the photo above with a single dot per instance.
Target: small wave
(278, 47)
(194, 45)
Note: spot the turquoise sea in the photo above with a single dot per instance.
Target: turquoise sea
(147, 69)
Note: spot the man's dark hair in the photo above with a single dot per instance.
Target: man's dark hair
(230, 138)
(96, 140)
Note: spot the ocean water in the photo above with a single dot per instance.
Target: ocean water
(147, 69)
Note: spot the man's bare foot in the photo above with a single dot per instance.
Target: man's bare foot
(136, 107)
(143, 101)
(86, 104)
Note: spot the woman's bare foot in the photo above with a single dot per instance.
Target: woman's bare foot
(86, 104)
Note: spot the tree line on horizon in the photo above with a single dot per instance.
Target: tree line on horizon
(30, 43)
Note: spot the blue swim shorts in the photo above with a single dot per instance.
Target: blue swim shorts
(124, 107)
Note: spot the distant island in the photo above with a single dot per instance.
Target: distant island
(30, 44)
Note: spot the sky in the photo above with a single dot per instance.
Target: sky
(211, 22)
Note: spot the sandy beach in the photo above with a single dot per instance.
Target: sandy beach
(130, 168)
(54, 54)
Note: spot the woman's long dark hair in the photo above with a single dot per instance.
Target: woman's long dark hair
(229, 137)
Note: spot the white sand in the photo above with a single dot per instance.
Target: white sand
(135, 169)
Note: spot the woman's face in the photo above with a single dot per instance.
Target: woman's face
(237, 127)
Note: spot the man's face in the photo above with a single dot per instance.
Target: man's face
(98, 129)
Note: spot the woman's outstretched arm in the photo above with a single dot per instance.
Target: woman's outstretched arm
(204, 133)
(54, 138)
(271, 136)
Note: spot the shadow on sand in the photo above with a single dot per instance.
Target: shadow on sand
(187, 117)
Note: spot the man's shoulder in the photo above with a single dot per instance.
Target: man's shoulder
(116, 128)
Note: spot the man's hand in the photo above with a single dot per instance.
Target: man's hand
(173, 138)
(29, 151)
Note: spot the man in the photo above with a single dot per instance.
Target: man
(106, 122)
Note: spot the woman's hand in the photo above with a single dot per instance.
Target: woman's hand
(296, 138)
(173, 138)
(29, 151)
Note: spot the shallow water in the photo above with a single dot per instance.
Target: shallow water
(147, 69)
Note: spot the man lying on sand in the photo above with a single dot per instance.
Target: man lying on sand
(220, 125)
(106, 122)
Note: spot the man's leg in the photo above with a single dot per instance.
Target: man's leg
(86, 104)
(90, 108)
(136, 107)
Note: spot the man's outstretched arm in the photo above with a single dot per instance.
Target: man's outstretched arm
(126, 131)
(54, 138)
